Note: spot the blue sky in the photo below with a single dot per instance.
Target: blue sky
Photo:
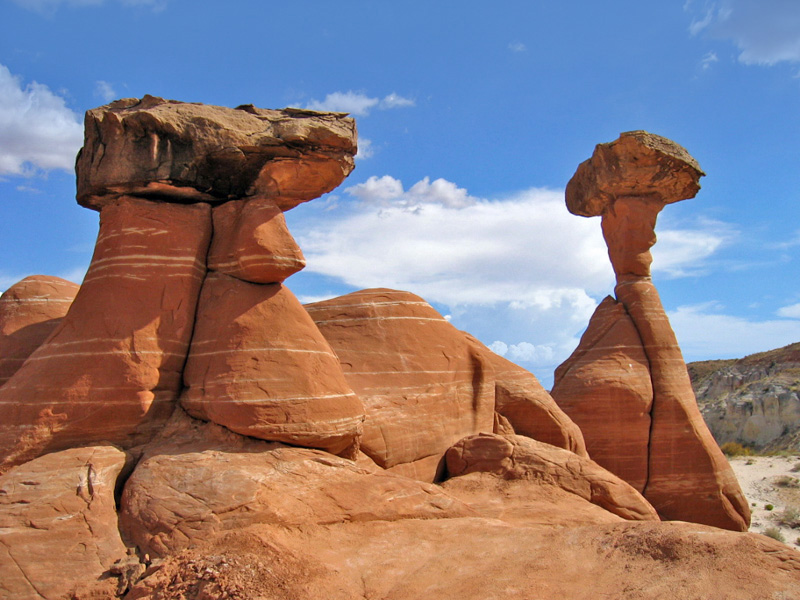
(472, 118)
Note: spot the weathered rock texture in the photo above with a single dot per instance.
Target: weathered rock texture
(754, 401)
(184, 306)
(165, 149)
(112, 369)
(259, 366)
(58, 523)
(628, 182)
(606, 389)
(29, 312)
(426, 385)
(519, 457)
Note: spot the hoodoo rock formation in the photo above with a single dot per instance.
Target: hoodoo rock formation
(188, 430)
(601, 385)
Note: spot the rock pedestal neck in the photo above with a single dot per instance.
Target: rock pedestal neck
(627, 182)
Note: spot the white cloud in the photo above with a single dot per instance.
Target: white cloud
(395, 101)
(517, 47)
(357, 103)
(704, 332)
(682, 252)
(37, 130)
(104, 90)
(709, 59)
(790, 312)
(365, 149)
(49, 7)
(386, 191)
(350, 102)
(765, 31)
(519, 273)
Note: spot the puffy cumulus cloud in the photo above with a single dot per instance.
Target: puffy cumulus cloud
(357, 103)
(37, 130)
(519, 273)
(766, 31)
(387, 190)
(704, 331)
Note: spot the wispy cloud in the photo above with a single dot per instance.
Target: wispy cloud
(365, 149)
(765, 31)
(709, 59)
(704, 331)
(50, 7)
(104, 90)
(37, 129)
(790, 312)
(358, 103)
(517, 47)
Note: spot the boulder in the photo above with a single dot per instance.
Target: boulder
(260, 367)
(251, 242)
(176, 500)
(29, 312)
(519, 457)
(424, 385)
(605, 387)
(523, 404)
(179, 152)
(111, 371)
(59, 523)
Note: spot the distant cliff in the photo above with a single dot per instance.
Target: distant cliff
(753, 400)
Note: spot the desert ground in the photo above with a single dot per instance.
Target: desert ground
(772, 486)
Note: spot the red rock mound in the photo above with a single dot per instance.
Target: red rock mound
(29, 312)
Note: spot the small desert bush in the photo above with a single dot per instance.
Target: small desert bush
(789, 517)
(768, 507)
(735, 449)
(787, 481)
(774, 533)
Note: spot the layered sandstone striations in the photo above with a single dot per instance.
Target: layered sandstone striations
(29, 312)
(184, 308)
(184, 190)
(754, 401)
(425, 385)
(628, 182)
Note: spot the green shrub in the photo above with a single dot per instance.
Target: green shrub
(768, 507)
(774, 533)
(735, 449)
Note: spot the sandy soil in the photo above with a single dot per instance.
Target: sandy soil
(771, 481)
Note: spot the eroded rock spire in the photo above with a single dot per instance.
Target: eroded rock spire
(627, 182)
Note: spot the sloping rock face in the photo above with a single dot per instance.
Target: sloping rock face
(30, 310)
(59, 523)
(184, 190)
(754, 401)
(628, 182)
(425, 385)
(112, 369)
(518, 457)
(605, 387)
(260, 367)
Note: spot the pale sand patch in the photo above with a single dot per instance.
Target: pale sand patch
(759, 477)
